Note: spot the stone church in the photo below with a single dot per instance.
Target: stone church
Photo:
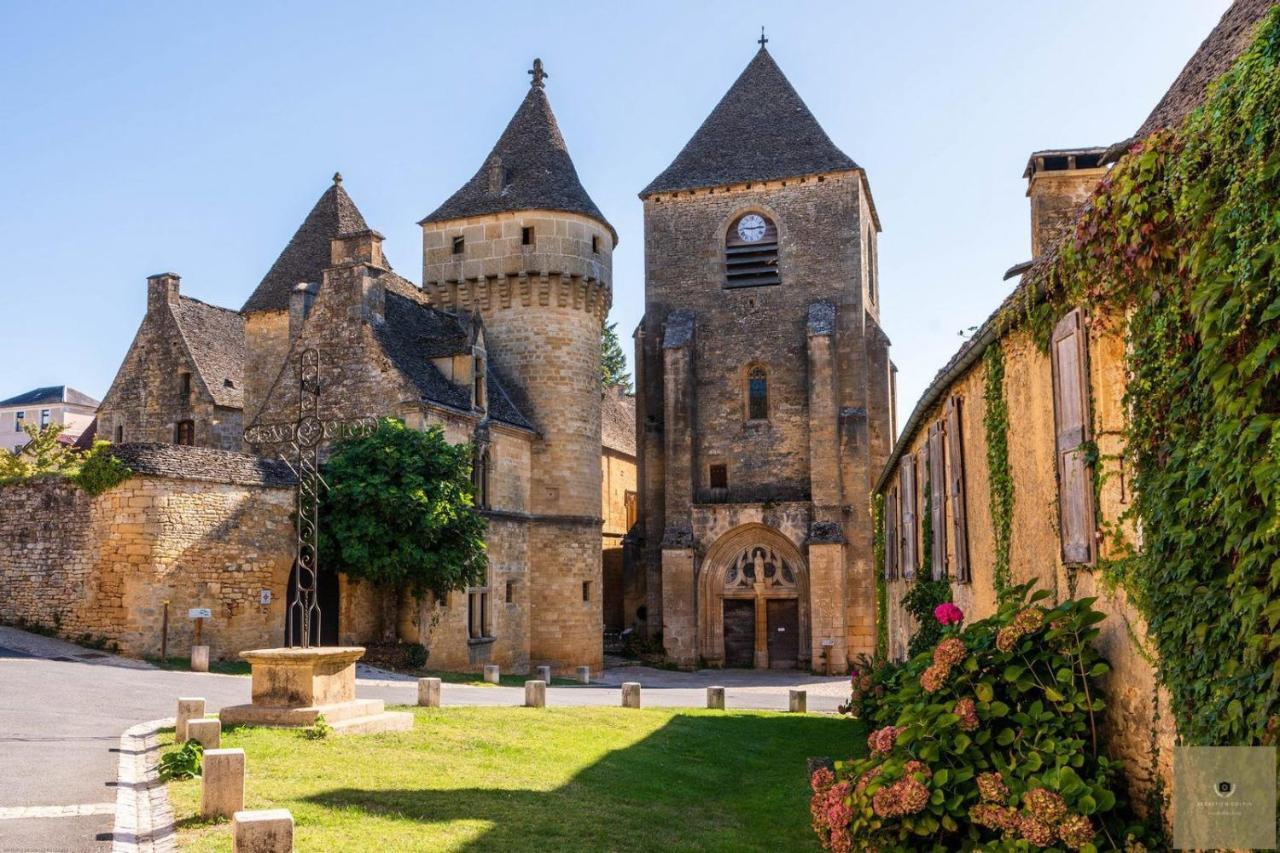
(500, 345)
(764, 389)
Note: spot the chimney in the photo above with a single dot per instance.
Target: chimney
(162, 290)
(300, 301)
(1057, 183)
(357, 247)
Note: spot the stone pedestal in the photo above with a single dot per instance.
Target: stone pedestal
(267, 831)
(208, 733)
(535, 694)
(199, 658)
(544, 674)
(188, 709)
(429, 692)
(715, 698)
(631, 694)
(798, 703)
(491, 673)
(221, 782)
(293, 687)
(584, 675)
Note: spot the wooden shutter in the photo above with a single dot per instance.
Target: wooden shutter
(938, 501)
(908, 536)
(955, 468)
(1071, 427)
(891, 535)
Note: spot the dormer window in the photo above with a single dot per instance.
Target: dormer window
(751, 252)
(459, 245)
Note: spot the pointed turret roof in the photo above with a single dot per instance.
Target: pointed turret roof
(307, 254)
(761, 130)
(528, 169)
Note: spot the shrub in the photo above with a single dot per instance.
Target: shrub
(920, 601)
(99, 470)
(987, 741)
(183, 762)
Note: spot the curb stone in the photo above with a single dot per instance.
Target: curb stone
(144, 820)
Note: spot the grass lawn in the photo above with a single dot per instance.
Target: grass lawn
(181, 664)
(538, 779)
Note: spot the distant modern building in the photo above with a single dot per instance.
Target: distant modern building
(56, 404)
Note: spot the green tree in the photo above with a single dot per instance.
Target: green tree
(94, 470)
(400, 511)
(613, 362)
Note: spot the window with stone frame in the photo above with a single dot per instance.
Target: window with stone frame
(184, 432)
(479, 625)
(757, 393)
(459, 245)
(873, 285)
(184, 385)
(751, 251)
(119, 433)
(480, 475)
(511, 592)
(718, 476)
(477, 379)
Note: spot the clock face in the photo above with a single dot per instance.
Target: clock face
(751, 227)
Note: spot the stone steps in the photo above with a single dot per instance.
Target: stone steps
(386, 721)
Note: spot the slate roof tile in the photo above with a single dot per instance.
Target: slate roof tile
(215, 339)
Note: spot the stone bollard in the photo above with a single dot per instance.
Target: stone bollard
(429, 692)
(584, 675)
(266, 831)
(544, 674)
(207, 731)
(199, 658)
(631, 694)
(188, 709)
(491, 673)
(221, 782)
(535, 694)
(715, 698)
(798, 702)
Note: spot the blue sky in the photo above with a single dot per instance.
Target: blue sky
(143, 137)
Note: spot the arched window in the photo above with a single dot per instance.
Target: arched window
(757, 393)
(751, 252)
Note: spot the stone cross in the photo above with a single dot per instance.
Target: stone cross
(763, 41)
(538, 75)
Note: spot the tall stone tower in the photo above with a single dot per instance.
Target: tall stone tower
(764, 389)
(524, 245)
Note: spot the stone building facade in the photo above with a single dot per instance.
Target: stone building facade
(500, 346)
(1064, 494)
(764, 402)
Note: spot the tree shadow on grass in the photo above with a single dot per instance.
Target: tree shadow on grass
(704, 782)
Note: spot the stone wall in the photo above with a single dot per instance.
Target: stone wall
(1137, 712)
(266, 335)
(103, 567)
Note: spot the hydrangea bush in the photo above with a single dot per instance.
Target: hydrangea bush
(990, 740)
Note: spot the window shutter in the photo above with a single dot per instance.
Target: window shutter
(891, 535)
(955, 460)
(938, 500)
(1071, 426)
(908, 485)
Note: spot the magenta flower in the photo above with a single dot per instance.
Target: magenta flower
(948, 614)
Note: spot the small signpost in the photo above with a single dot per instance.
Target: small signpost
(199, 651)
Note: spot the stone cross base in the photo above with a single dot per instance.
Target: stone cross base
(293, 687)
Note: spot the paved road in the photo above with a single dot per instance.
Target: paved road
(63, 709)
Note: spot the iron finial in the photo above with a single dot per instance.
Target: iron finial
(762, 41)
(538, 75)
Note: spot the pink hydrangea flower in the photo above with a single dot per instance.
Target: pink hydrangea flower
(948, 614)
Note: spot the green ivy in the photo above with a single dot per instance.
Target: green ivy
(1180, 246)
(882, 591)
(995, 422)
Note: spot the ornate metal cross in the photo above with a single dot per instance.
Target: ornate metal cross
(304, 439)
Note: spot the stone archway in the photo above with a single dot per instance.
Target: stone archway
(754, 577)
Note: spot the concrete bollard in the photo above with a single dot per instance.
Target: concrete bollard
(207, 731)
(266, 831)
(221, 782)
(188, 709)
(199, 658)
(715, 698)
(799, 702)
(584, 675)
(544, 674)
(631, 694)
(535, 694)
(429, 692)
(491, 673)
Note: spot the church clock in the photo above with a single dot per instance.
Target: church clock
(751, 227)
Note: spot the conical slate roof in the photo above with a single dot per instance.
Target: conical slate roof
(528, 169)
(307, 254)
(761, 130)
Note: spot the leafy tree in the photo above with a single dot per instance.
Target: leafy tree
(400, 511)
(613, 362)
(95, 470)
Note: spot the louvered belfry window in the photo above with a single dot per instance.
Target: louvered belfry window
(751, 252)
